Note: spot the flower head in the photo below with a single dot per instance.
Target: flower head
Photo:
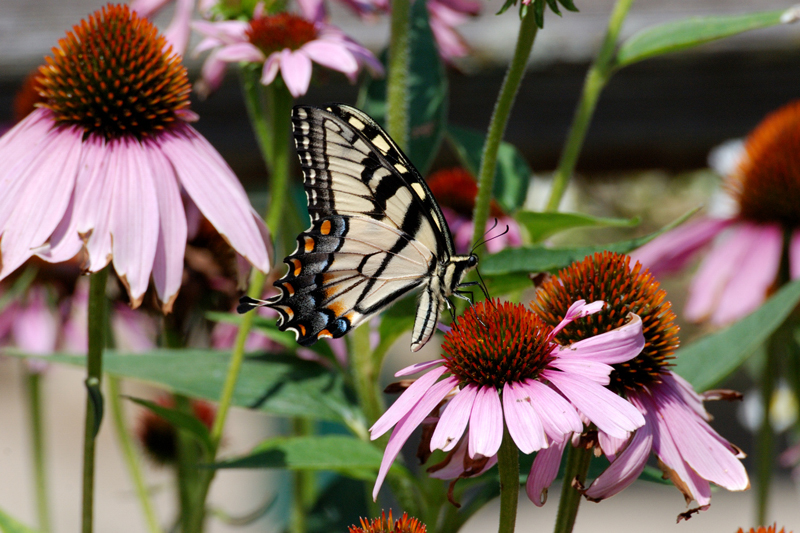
(502, 365)
(284, 43)
(455, 189)
(676, 426)
(103, 163)
(404, 524)
(741, 269)
(769, 529)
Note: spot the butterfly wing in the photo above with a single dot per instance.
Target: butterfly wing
(376, 231)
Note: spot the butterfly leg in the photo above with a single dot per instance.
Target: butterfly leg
(450, 308)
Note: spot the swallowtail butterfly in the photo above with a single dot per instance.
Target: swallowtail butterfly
(376, 233)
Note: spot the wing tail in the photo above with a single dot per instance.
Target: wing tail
(426, 319)
(248, 304)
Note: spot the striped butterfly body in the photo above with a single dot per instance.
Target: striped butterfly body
(376, 233)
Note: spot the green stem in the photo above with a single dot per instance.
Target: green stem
(597, 77)
(508, 469)
(186, 471)
(365, 374)
(37, 435)
(94, 377)
(497, 125)
(129, 454)
(397, 76)
(254, 102)
(577, 466)
(303, 482)
(280, 105)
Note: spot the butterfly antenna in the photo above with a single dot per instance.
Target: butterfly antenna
(484, 241)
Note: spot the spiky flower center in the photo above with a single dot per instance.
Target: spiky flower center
(456, 188)
(404, 524)
(494, 343)
(273, 33)
(608, 276)
(27, 97)
(114, 75)
(767, 183)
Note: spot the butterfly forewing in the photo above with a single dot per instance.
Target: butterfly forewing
(376, 230)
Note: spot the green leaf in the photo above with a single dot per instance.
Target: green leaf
(686, 33)
(513, 173)
(538, 258)
(708, 361)
(340, 505)
(543, 225)
(180, 420)
(279, 384)
(427, 93)
(337, 453)
(11, 525)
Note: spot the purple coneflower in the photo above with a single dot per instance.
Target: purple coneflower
(676, 428)
(284, 43)
(103, 163)
(404, 524)
(505, 367)
(455, 190)
(740, 270)
(179, 30)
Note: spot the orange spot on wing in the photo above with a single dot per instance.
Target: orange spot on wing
(338, 308)
(302, 330)
(325, 227)
(324, 334)
(309, 245)
(289, 288)
(297, 266)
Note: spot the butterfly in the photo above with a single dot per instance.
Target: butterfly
(376, 233)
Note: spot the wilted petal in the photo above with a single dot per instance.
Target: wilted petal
(408, 423)
(544, 472)
(524, 425)
(410, 397)
(486, 423)
(454, 419)
(625, 468)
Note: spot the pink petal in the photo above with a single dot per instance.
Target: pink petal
(45, 186)
(172, 231)
(331, 55)
(296, 71)
(236, 52)
(408, 423)
(418, 367)
(559, 417)
(605, 409)
(625, 469)
(35, 325)
(544, 472)
(134, 331)
(271, 67)
(213, 187)
(755, 273)
(593, 370)
(177, 34)
(147, 8)
(454, 419)
(524, 424)
(227, 31)
(401, 407)
(64, 243)
(455, 468)
(611, 446)
(134, 219)
(313, 10)
(578, 309)
(486, 423)
(673, 250)
(794, 255)
(94, 193)
(616, 346)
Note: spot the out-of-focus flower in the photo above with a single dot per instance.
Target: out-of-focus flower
(740, 270)
(284, 43)
(178, 32)
(761, 529)
(158, 437)
(505, 367)
(404, 524)
(110, 153)
(32, 325)
(444, 16)
(455, 190)
(316, 10)
(676, 425)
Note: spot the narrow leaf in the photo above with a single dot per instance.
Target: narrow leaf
(513, 172)
(179, 419)
(11, 525)
(708, 361)
(686, 33)
(542, 225)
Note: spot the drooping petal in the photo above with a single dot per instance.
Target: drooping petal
(453, 420)
(234, 53)
(625, 468)
(213, 187)
(485, 423)
(524, 425)
(755, 273)
(616, 346)
(177, 33)
(673, 250)
(94, 195)
(593, 370)
(134, 220)
(410, 397)
(168, 263)
(418, 367)
(408, 423)
(605, 409)
(611, 446)
(559, 417)
(332, 55)
(45, 189)
(296, 71)
(544, 472)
